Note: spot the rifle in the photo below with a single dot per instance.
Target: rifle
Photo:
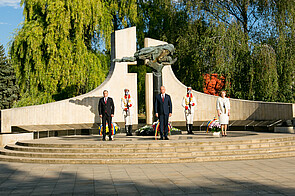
(190, 104)
(127, 101)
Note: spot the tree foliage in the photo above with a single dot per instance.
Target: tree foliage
(62, 49)
(8, 87)
(249, 42)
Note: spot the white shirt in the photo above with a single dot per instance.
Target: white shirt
(163, 96)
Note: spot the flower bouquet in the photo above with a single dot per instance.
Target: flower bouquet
(145, 131)
(214, 126)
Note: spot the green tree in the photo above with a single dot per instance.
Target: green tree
(63, 47)
(8, 87)
(264, 23)
(283, 16)
(265, 79)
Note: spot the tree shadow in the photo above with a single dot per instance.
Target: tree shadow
(49, 179)
(89, 101)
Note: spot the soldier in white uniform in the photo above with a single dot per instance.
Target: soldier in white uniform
(223, 111)
(127, 105)
(189, 103)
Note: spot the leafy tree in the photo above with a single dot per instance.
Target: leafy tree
(265, 73)
(268, 28)
(62, 50)
(63, 47)
(8, 87)
(283, 16)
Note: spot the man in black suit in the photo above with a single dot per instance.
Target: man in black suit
(106, 112)
(163, 110)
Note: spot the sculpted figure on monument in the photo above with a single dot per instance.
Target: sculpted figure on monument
(157, 56)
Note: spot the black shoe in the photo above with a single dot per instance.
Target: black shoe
(191, 129)
(130, 130)
(110, 139)
(187, 128)
(126, 129)
(166, 138)
(103, 139)
(161, 138)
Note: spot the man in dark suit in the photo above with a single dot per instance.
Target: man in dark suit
(106, 112)
(163, 110)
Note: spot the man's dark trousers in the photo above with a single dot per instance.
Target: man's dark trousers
(106, 118)
(164, 125)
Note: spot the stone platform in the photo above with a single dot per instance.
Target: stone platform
(201, 147)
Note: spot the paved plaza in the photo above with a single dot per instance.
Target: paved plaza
(250, 177)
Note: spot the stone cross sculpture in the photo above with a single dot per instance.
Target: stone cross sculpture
(157, 57)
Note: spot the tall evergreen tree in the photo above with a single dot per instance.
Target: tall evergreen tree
(8, 86)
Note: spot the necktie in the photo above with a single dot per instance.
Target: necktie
(105, 100)
(163, 98)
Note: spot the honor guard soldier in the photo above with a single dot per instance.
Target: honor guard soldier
(189, 103)
(127, 105)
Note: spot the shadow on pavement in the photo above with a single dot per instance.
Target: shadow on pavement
(37, 179)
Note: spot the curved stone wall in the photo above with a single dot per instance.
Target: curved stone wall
(206, 110)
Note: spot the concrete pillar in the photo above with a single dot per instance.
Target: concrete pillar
(149, 98)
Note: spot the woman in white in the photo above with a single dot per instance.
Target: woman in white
(223, 110)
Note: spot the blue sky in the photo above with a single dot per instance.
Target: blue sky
(11, 16)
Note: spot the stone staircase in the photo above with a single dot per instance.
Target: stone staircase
(147, 151)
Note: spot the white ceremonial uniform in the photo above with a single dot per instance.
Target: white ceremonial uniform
(189, 102)
(127, 114)
(223, 105)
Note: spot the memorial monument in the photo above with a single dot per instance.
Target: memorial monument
(155, 57)
(81, 110)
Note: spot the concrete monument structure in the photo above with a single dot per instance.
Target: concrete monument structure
(83, 109)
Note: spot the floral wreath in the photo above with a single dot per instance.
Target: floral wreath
(114, 128)
(156, 126)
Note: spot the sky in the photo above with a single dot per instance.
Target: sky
(11, 17)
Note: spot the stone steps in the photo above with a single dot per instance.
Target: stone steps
(149, 144)
(142, 151)
(146, 155)
(146, 160)
(115, 149)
